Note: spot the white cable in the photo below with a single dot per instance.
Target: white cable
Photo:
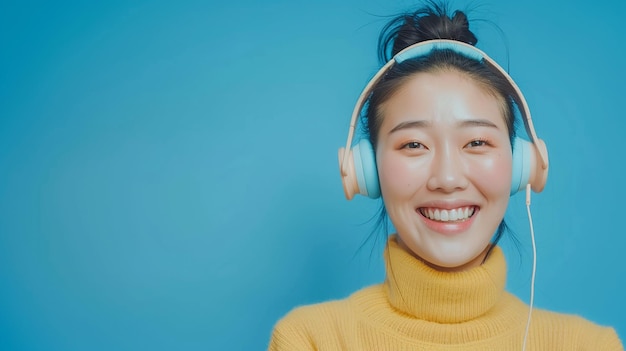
(532, 281)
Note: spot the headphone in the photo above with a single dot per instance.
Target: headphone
(358, 163)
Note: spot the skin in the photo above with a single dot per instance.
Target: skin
(443, 144)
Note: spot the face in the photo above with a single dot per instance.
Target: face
(444, 163)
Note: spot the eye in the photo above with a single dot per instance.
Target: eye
(413, 145)
(477, 143)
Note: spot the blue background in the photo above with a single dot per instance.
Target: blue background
(169, 178)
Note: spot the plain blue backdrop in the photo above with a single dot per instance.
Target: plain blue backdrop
(169, 178)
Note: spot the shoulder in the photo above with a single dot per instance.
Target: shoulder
(306, 326)
(314, 316)
(567, 329)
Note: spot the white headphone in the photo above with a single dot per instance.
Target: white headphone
(358, 163)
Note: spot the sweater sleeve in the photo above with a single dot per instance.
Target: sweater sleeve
(290, 334)
(609, 341)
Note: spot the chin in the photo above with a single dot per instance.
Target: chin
(451, 263)
(455, 257)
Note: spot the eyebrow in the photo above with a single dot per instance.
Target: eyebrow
(410, 125)
(477, 123)
(423, 124)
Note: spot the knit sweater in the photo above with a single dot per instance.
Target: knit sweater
(420, 308)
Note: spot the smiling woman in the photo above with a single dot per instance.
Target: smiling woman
(443, 155)
(444, 149)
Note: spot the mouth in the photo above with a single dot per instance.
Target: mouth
(448, 215)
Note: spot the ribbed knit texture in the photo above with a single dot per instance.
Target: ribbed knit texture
(419, 308)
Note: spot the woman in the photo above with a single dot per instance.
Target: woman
(442, 152)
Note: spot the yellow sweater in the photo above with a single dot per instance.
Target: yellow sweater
(419, 308)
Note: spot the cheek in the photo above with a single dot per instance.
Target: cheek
(493, 175)
(399, 176)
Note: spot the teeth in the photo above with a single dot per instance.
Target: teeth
(457, 214)
(453, 216)
(444, 215)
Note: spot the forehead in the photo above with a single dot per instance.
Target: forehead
(442, 96)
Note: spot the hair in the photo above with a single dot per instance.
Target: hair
(432, 21)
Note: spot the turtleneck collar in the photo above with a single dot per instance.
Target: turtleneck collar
(442, 297)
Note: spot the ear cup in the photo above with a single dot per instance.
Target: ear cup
(527, 167)
(348, 178)
(539, 176)
(521, 165)
(365, 169)
(359, 174)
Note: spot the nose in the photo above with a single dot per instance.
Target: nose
(447, 172)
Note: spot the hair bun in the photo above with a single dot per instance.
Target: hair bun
(428, 23)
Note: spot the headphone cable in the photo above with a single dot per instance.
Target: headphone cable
(532, 281)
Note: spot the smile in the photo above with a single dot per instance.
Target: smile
(443, 215)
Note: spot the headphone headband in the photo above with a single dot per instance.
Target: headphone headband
(425, 48)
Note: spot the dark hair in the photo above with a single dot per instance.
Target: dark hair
(431, 22)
